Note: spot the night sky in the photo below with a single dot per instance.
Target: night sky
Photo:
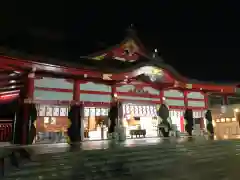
(201, 41)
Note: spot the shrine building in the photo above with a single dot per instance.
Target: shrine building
(139, 78)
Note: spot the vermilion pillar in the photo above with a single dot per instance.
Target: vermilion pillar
(206, 100)
(30, 85)
(113, 91)
(225, 100)
(29, 95)
(161, 96)
(76, 90)
(25, 112)
(185, 93)
(182, 120)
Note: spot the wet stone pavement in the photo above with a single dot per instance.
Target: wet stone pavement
(106, 144)
(140, 159)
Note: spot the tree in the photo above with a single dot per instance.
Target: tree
(113, 115)
(74, 129)
(188, 116)
(163, 113)
(32, 119)
(210, 129)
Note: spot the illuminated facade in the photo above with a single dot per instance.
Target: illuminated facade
(139, 79)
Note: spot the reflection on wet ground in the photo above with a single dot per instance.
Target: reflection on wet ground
(142, 159)
(105, 144)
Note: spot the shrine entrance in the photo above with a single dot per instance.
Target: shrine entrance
(96, 123)
(140, 120)
(51, 123)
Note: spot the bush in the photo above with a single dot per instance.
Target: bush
(188, 116)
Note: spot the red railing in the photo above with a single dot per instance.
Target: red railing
(5, 130)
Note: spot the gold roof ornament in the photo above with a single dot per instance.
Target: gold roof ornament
(99, 58)
(131, 46)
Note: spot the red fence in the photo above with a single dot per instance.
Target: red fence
(5, 130)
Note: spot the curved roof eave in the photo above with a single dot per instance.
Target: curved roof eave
(157, 62)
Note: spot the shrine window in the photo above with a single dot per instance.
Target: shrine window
(215, 100)
(234, 100)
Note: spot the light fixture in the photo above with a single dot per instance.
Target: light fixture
(13, 87)
(236, 110)
(12, 81)
(155, 50)
(12, 74)
(8, 96)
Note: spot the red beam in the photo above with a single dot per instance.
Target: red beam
(8, 96)
(215, 88)
(105, 104)
(94, 74)
(9, 92)
(5, 83)
(5, 66)
(49, 67)
(130, 94)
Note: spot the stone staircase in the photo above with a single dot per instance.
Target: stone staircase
(206, 160)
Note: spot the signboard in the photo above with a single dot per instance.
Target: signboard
(49, 111)
(139, 110)
(63, 111)
(91, 111)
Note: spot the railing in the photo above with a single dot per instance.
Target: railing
(5, 130)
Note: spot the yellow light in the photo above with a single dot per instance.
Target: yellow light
(214, 123)
(236, 110)
(225, 136)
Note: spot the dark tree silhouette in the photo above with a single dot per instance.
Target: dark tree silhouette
(163, 113)
(188, 116)
(113, 115)
(210, 129)
(74, 129)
